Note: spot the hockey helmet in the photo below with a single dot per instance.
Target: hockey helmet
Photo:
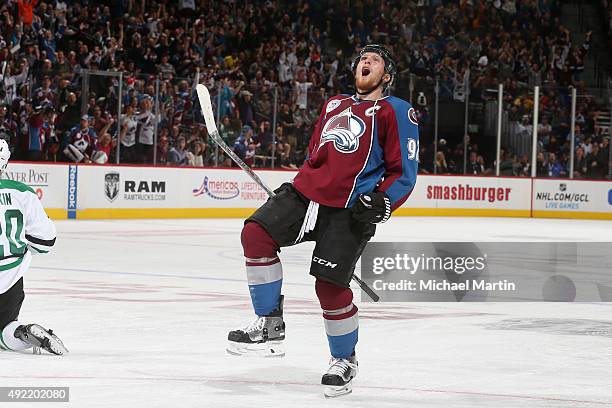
(390, 67)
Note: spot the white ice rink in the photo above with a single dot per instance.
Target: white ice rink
(145, 307)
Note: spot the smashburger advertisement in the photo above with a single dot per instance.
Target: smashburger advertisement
(470, 192)
(571, 195)
(467, 192)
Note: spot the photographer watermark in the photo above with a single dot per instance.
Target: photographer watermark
(489, 271)
(412, 264)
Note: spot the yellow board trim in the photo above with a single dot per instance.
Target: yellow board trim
(124, 213)
(573, 214)
(461, 212)
(57, 213)
(135, 213)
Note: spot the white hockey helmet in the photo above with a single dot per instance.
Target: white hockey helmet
(5, 155)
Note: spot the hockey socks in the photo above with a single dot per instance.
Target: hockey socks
(340, 318)
(263, 267)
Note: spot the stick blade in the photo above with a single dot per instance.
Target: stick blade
(206, 106)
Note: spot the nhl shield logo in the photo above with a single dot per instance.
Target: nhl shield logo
(332, 105)
(111, 186)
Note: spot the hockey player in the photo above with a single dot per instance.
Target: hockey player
(361, 165)
(26, 230)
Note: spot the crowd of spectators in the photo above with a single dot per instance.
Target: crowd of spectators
(56, 107)
(606, 18)
(519, 44)
(255, 55)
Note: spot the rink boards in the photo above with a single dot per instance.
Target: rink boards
(103, 192)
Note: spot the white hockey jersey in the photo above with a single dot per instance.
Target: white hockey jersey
(25, 230)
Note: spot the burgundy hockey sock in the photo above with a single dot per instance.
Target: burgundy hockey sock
(264, 269)
(340, 317)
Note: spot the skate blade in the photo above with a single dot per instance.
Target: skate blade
(54, 345)
(334, 391)
(268, 349)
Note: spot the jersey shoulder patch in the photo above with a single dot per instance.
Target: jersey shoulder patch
(412, 116)
(15, 185)
(331, 105)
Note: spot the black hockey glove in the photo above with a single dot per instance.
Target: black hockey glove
(374, 208)
(284, 187)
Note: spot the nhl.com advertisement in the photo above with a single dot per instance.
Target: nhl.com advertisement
(572, 196)
(563, 199)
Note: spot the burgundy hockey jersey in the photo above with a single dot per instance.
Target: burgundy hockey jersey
(361, 146)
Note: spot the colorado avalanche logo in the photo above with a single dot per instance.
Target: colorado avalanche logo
(344, 130)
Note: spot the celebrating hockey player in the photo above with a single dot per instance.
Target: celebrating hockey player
(26, 230)
(361, 165)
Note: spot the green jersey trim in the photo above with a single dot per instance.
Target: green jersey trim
(15, 185)
(11, 265)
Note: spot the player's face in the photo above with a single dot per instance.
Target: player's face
(370, 70)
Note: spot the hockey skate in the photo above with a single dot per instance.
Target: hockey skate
(262, 338)
(41, 338)
(338, 380)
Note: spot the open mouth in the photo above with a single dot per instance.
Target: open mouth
(365, 71)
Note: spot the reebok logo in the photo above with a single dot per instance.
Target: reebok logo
(323, 262)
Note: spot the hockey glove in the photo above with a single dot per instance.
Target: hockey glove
(374, 208)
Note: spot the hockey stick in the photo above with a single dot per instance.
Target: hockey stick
(213, 132)
(211, 126)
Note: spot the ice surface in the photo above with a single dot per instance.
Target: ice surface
(145, 306)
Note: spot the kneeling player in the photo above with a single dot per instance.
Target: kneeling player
(26, 230)
(362, 164)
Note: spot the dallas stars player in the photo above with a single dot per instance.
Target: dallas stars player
(25, 231)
